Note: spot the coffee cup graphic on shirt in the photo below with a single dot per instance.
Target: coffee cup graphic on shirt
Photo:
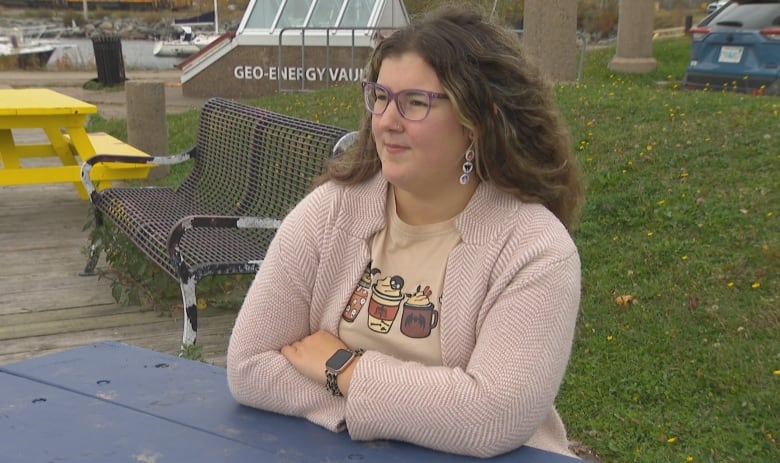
(419, 317)
(384, 303)
(358, 298)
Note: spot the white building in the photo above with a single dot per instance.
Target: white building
(292, 45)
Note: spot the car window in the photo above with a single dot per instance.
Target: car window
(754, 15)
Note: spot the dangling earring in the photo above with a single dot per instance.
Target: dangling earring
(468, 165)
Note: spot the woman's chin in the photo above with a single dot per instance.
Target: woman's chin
(394, 175)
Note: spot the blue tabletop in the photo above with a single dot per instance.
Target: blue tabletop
(113, 402)
(42, 423)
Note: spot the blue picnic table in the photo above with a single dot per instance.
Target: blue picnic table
(112, 402)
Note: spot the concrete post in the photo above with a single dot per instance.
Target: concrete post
(550, 36)
(147, 124)
(634, 53)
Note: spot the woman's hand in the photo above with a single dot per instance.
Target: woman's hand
(309, 355)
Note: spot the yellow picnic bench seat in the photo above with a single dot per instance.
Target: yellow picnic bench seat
(104, 143)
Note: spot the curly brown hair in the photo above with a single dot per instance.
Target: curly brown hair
(499, 95)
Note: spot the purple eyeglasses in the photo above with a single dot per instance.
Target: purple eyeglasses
(412, 104)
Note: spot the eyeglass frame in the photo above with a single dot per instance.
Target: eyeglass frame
(394, 96)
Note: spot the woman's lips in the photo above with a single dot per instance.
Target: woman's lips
(393, 148)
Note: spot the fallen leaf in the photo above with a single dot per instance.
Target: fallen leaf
(624, 300)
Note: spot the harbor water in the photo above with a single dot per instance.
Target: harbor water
(75, 54)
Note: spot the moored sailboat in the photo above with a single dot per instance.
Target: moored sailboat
(187, 44)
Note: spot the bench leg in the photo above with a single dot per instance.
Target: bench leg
(94, 249)
(190, 312)
(92, 260)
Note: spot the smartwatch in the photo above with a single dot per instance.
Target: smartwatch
(337, 363)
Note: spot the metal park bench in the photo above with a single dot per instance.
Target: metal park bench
(250, 167)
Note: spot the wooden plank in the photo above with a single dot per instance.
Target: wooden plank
(47, 229)
(44, 323)
(47, 235)
(66, 256)
(65, 213)
(43, 261)
(72, 313)
(20, 196)
(49, 292)
(72, 325)
(164, 335)
(56, 245)
(56, 299)
(25, 205)
(48, 281)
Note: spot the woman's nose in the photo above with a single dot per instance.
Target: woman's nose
(392, 117)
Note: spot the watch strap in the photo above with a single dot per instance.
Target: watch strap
(331, 378)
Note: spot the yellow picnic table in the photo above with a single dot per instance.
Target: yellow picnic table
(62, 119)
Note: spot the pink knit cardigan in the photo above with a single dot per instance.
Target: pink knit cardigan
(511, 296)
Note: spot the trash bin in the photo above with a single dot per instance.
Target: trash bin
(108, 59)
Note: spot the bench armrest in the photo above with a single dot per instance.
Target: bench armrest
(87, 166)
(210, 221)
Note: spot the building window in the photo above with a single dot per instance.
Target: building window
(357, 13)
(263, 14)
(326, 13)
(294, 13)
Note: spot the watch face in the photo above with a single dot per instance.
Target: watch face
(336, 361)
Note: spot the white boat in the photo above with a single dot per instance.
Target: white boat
(18, 53)
(187, 44)
(30, 47)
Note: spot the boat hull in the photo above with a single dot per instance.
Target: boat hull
(34, 60)
(174, 49)
(182, 48)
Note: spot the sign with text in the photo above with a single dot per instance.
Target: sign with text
(311, 74)
(252, 71)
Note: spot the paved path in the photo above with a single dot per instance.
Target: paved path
(112, 102)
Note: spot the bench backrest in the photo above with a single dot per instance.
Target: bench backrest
(251, 161)
(294, 153)
(221, 175)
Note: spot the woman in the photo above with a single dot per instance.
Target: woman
(427, 290)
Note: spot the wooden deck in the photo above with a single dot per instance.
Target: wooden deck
(45, 306)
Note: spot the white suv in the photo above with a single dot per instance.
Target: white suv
(713, 6)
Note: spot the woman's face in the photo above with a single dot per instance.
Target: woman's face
(422, 157)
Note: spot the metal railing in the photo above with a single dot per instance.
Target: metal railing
(373, 33)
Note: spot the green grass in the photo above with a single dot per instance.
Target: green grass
(681, 215)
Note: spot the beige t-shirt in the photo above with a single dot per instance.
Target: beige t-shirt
(396, 306)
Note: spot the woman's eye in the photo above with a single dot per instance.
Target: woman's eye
(418, 100)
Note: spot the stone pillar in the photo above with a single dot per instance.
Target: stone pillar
(550, 36)
(147, 123)
(634, 52)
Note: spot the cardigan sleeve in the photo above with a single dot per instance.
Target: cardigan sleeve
(505, 392)
(276, 312)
